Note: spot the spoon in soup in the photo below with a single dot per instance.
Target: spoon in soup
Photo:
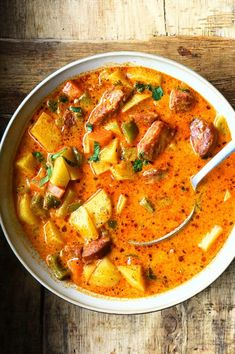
(195, 180)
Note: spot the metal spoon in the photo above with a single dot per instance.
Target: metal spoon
(195, 180)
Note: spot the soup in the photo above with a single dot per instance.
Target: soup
(107, 159)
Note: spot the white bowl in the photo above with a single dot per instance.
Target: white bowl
(14, 232)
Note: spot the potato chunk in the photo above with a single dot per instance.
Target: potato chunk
(106, 274)
(24, 210)
(136, 99)
(60, 174)
(52, 235)
(110, 152)
(100, 167)
(27, 164)
(122, 200)
(123, 170)
(88, 269)
(144, 75)
(133, 275)
(83, 223)
(99, 207)
(114, 127)
(210, 238)
(46, 132)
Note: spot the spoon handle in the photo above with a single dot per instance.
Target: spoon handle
(216, 160)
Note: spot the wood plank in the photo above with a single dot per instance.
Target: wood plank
(115, 19)
(204, 324)
(20, 306)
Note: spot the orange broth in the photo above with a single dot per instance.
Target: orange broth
(175, 260)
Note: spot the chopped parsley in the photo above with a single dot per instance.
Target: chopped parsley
(52, 105)
(150, 275)
(46, 179)
(138, 165)
(53, 157)
(63, 99)
(76, 109)
(89, 127)
(95, 156)
(157, 92)
(39, 157)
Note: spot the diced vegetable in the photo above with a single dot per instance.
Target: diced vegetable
(37, 205)
(118, 78)
(27, 163)
(75, 266)
(122, 200)
(58, 192)
(88, 269)
(86, 144)
(85, 101)
(129, 153)
(82, 222)
(146, 203)
(72, 90)
(227, 195)
(112, 224)
(105, 274)
(96, 152)
(210, 238)
(60, 175)
(110, 152)
(50, 201)
(100, 167)
(113, 126)
(24, 210)
(101, 136)
(133, 275)
(56, 267)
(220, 123)
(136, 99)
(46, 132)
(52, 105)
(64, 208)
(52, 235)
(35, 183)
(99, 207)
(144, 75)
(130, 131)
(122, 171)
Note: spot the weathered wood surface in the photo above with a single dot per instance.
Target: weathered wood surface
(34, 320)
(90, 20)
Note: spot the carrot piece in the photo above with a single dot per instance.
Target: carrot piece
(101, 136)
(58, 192)
(72, 90)
(76, 267)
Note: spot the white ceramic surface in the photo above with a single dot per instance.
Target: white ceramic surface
(13, 230)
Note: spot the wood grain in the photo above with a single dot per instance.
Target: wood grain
(34, 320)
(94, 20)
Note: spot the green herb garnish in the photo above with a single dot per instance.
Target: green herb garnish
(157, 93)
(112, 224)
(52, 105)
(76, 109)
(95, 156)
(140, 87)
(138, 165)
(53, 157)
(63, 99)
(39, 157)
(47, 177)
(89, 127)
(150, 275)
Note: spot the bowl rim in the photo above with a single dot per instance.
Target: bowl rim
(130, 55)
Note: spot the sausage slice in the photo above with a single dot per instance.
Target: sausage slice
(203, 137)
(144, 117)
(96, 249)
(181, 100)
(109, 103)
(155, 140)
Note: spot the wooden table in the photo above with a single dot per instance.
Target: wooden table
(37, 38)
